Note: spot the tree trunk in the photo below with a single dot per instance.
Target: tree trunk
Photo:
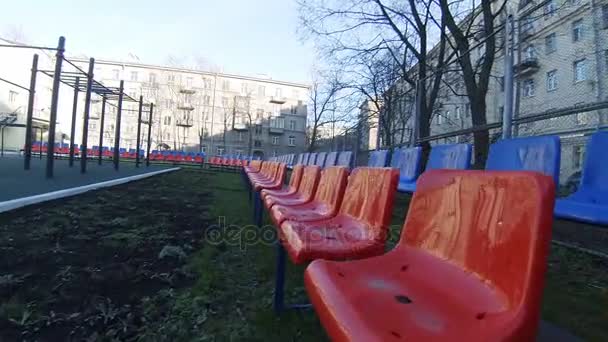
(481, 139)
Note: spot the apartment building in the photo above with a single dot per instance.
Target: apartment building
(196, 110)
(15, 67)
(561, 63)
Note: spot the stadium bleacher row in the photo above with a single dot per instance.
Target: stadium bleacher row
(486, 233)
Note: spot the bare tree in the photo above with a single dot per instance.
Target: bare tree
(474, 28)
(323, 100)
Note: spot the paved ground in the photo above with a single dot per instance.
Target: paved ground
(16, 182)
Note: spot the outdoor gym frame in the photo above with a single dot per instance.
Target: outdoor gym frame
(74, 79)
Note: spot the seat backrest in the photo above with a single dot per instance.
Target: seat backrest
(345, 158)
(280, 171)
(407, 161)
(378, 158)
(595, 169)
(331, 186)
(541, 154)
(330, 159)
(320, 159)
(255, 164)
(493, 224)
(312, 158)
(369, 197)
(309, 182)
(455, 156)
(305, 158)
(296, 176)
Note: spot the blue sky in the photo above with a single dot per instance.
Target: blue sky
(247, 37)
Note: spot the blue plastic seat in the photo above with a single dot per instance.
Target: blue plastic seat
(378, 158)
(320, 159)
(407, 160)
(305, 158)
(312, 158)
(345, 158)
(331, 159)
(454, 156)
(590, 202)
(541, 154)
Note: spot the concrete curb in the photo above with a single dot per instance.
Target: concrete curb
(49, 196)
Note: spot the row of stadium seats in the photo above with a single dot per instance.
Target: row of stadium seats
(494, 224)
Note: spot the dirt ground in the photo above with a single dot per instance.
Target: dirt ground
(93, 267)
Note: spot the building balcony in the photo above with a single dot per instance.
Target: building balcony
(151, 85)
(187, 90)
(8, 118)
(276, 130)
(185, 106)
(527, 66)
(277, 100)
(184, 122)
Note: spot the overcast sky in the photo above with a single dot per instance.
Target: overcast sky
(242, 36)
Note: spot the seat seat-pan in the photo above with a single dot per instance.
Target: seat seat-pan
(284, 191)
(311, 211)
(338, 238)
(581, 211)
(405, 295)
(294, 199)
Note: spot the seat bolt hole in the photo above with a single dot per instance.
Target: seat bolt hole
(404, 268)
(341, 274)
(396, 334)
(481, 315)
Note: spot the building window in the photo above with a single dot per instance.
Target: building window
(292, 125)
(219, 150)
(225, 85)
(168, 136)
(439, 119)
(292, 140)
(189, 82)
(170, 78)
(225, 102)
(152, 78)
(116, 74)
(244, 89)
(275, 153)
(12, 96)
(552, 80)
(134, 76)
(605, 15)
(257, 143)
(240, 136)
(275, 140)
(261, 90)
(259, 114)
(529, 88)
(458, 113)
(278, 92)
(530, 52)
(295, 94)
(577, 30)
(206, 100)
(167, 121)
(528, 25)
(578, 155)
(550, 43)
(93, 125)
(550, 8)
(580, 71)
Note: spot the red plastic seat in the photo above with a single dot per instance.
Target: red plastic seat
(324, 205)
(292, 188)
(359, 230)
(305, 193)
(276, 181)
(266, 174)
(254, 166)
(470, 265)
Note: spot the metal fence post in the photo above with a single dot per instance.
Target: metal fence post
(141, 104)
(85, 121)
(30, 115)
(507, 115)
(50, 151)
(101, 123)
(73, 127)
(149, 134)
(117, 134)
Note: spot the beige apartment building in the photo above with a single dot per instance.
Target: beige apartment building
(561, 62)
(195, 110)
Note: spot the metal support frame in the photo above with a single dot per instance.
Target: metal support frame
(30, 115)
(138, 140)
(117, 134)
(73, 127)
(85, 121)
(50, 154)
(149, 134)
(278, 302)
(258, 208)
(101, 123)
